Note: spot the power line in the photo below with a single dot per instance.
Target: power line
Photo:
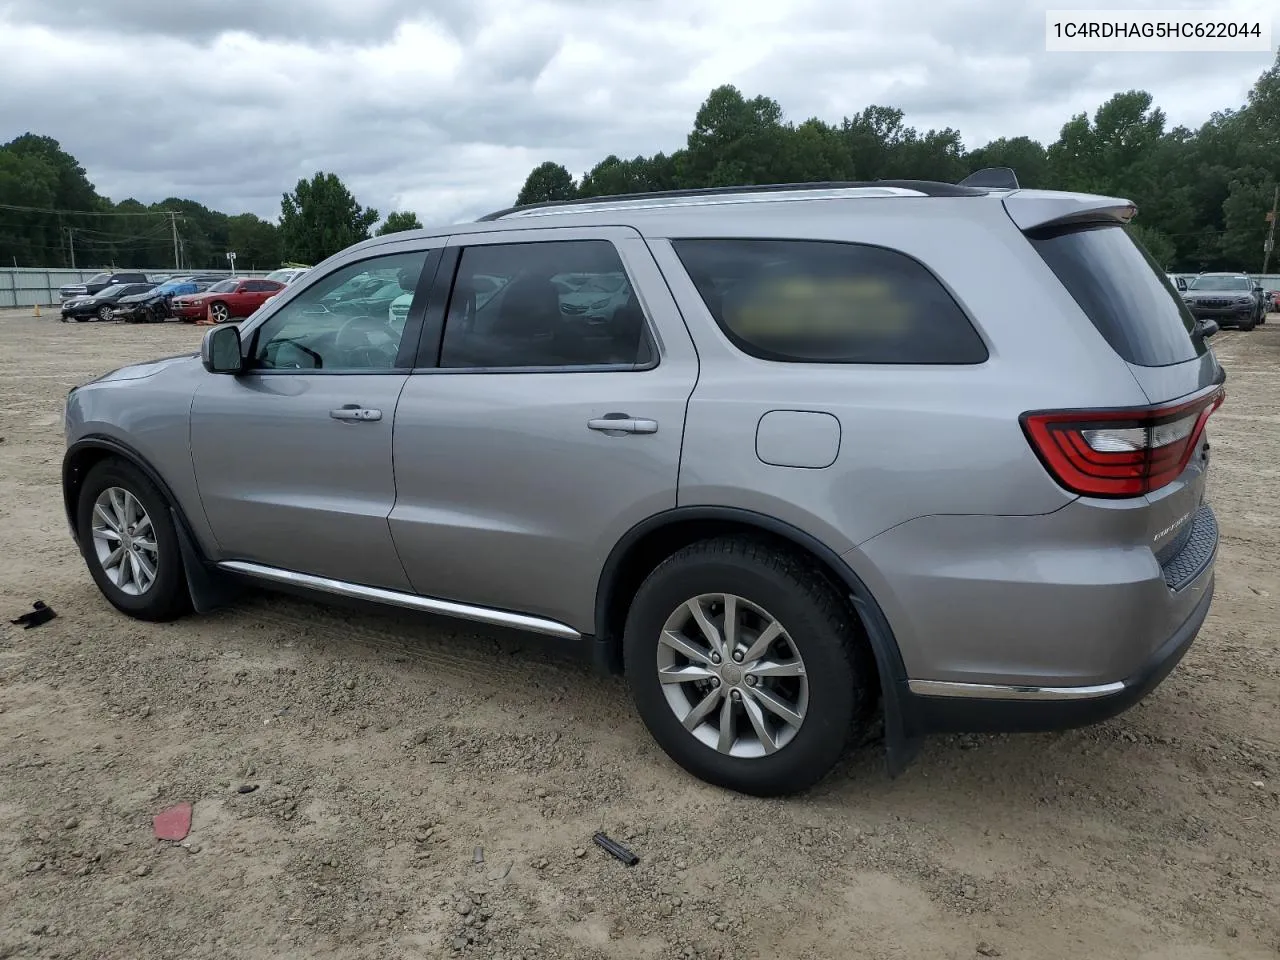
(88, 213)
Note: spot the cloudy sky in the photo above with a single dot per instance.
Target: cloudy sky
(443, 106)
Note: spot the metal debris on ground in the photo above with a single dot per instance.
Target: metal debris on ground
(39, 613)
(478, 857)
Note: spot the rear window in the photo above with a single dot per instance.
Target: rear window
(811, 301)
(1122, 291)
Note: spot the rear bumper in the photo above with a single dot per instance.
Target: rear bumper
(977, 708)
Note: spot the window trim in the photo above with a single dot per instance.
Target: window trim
(764, 356)
(431, 345)
(409, 341)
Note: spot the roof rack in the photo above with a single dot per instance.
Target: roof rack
(928, 188)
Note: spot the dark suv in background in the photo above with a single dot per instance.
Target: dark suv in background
(98, 283)
(1231, 299)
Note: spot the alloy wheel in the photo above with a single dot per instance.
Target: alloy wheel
(732, 675)
(219, 313)
(124, 541)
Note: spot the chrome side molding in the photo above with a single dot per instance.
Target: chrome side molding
(395, 598)
(1002, 691)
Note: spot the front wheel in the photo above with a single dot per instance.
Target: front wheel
(219, 313)
(747, 666)
(104, 313)
(1247, 325)
(129, 541)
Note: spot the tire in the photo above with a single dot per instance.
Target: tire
(835, 698)
(1247, 325)
(218, 312)
(166, 597)
(104, 313)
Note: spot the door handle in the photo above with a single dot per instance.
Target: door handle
(354, 413)
(621, 423)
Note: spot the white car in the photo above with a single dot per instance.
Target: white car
(287, 275)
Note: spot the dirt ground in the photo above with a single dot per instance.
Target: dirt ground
(385, 752)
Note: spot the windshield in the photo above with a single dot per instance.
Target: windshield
(1242, 284)
(99, 278)
(281, 276)
(224, 286)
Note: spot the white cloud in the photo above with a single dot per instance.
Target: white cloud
(443, 108)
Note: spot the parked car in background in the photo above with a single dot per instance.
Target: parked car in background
(287, 275)
(1232, 299)
(98, 283)
(1179, 283)
(784, 488)
(154, 305)
(101, 305)
(226, 299)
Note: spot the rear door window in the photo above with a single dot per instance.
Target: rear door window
(1122, 291)
(811, 301)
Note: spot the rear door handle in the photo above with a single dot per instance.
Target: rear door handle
(352, 412)
(621, 423)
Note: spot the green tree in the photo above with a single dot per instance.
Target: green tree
(733, 141)
(399, 220)
(1026, 157)
(321, 217)
(255, 241)
(547, 182)
(1158, 244)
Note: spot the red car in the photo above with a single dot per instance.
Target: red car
(225, 300)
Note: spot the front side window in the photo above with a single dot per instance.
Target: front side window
(524, 305)
(813, 301)
(342, 322)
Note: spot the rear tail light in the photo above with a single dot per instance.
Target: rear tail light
(1120, 453)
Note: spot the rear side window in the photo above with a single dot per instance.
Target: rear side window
(811, 301)
(1122, 291)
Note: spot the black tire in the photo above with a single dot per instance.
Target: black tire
(167, 598)
(104, 313)
(1248, 325)
(824, 631)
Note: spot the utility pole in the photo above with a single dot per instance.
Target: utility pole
(71, 239)
(1269, 244)
(173, 222)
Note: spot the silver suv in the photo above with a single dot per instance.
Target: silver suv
(831, 452)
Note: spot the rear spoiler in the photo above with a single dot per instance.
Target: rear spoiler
(1036, 209)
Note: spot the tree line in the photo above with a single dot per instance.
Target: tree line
(1202, 194)
(52, 216)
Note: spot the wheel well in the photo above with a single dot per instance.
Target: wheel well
(642, 556)
(74, 469)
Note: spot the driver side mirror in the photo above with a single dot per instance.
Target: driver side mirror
(220, 352)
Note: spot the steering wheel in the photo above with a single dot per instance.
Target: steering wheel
(359, 336)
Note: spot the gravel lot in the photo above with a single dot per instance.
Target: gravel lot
(386, 751)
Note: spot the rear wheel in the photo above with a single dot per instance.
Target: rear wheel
(747, 667)
(129, 541)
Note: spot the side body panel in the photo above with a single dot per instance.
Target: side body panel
(506, 497)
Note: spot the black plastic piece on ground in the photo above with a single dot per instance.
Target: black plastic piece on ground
(39, 613)
(613, 848)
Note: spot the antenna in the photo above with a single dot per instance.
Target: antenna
(994, 178)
